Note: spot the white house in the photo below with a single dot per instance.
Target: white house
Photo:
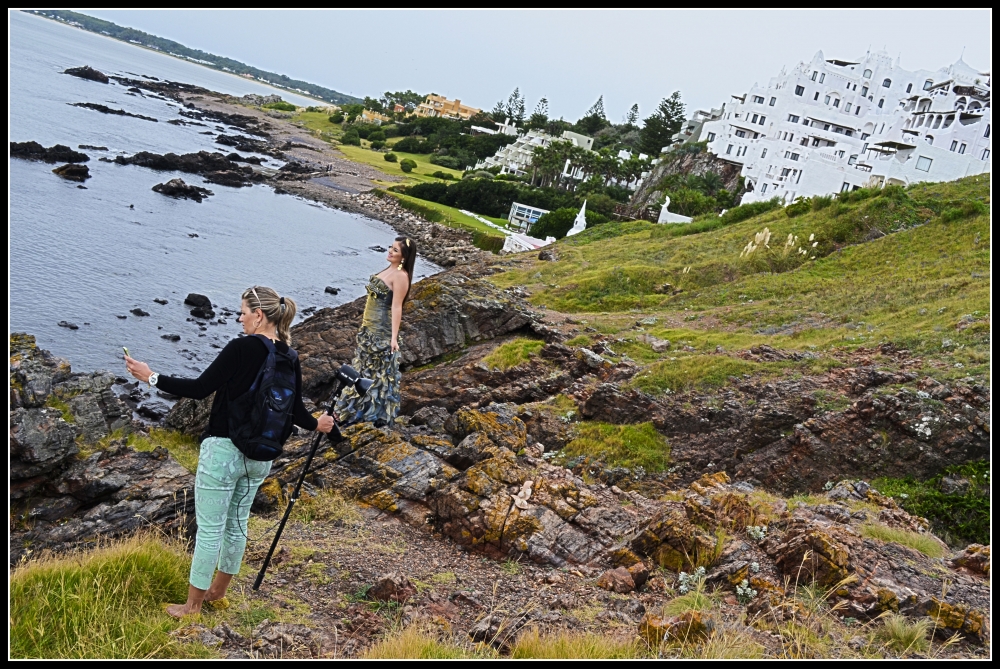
(835, 125)
(515, 158)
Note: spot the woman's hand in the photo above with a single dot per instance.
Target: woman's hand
(394, 345)
(139, 370)
(325, 423)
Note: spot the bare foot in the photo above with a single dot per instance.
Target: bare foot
(180, 610)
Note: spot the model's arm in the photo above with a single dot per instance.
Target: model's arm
(218, 373)
(398, 295)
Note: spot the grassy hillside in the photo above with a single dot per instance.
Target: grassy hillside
(909, 266)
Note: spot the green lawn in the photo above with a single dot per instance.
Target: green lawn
(911, 267)
(451, 217)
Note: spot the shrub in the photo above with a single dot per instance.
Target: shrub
(799, 207)
(281, 105)
(821, 202)
(414, 643)
(413, 145)
(351, 137)
(967, 209)
(442, 175)
(337, 118)
(689, 202)
(452, 162)
(376, 136)
(432, 215)
(959, 517)
(407, 164)
(745, 211)
(557, 223)
(566, 644)
(378, 145)
(390, 157)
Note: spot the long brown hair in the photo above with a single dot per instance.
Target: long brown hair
(408, 248)
(278, 310)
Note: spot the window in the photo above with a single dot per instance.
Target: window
(822, 77)
(954, 145)
(924, 164)
(792, 118)
(864, 91)
(987, 133)
(826, 126)
(762, 119)
(805, 141)
(754, 120)
(857, 110)
(986, 154)
(864, 148)
(741, 133)
(826, 99)
(729, 149)
(711, 136)
(816, 96)
(881, 102)
(787, 154)
(846, 187)
(771, 103)
(815, 74)
(867, 74)
(853, 160)
(763, 154)
(840, 154)
(794, 156)
(791, 137)
(799, 90)
(961, 149)
(865, 135)
(838, 130)
(909, 87)
(928, 84)
(929, 139)
(758, 99)
(836, 102)
(786, 171)
(871, 99)
(763, 188)
(886, 83)
(805, 121)
(849, 133)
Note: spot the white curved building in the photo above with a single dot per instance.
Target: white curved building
(834, 125)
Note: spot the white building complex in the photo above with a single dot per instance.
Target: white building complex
(835, 125)
(516, 158)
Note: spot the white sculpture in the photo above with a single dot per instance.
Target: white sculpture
(667, 217)
(580, 224)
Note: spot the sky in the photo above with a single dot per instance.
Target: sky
(569, 57)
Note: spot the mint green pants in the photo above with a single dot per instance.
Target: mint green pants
(224, 488)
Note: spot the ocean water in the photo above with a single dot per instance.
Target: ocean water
(88, 256)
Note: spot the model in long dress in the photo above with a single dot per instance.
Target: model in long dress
(374, 359)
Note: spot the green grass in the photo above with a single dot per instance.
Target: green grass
(890, 266)
(106, 603)
(620, 445)
(449, 216)
(185, 449)
(512, 354)
(696, 600)
(420, 174)
(960, 517)
(696, 372)
(62, 407)
(903, 635)
(568, 644)
(925, 543)
(415, 643)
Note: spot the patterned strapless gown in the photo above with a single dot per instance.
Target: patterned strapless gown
(374, 359)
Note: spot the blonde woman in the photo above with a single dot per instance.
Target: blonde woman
(227, 481)
(377, 355)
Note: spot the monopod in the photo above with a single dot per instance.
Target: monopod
(346, 376)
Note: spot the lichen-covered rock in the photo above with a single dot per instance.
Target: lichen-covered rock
(975, 559)
(616, 580)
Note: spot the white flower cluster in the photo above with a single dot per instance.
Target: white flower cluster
(744, 593)
(689, 582)
(757, 532)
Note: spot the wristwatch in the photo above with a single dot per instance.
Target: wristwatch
(153, 378)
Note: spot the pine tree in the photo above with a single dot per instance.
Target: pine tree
(499, 112)
(658, 130)
(512, 102)
(542, 108)
(598, 109)
(632, 117)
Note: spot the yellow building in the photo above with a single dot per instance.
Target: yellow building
(437, 105)
(369, 116)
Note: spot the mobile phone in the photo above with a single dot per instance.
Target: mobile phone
(126, 352)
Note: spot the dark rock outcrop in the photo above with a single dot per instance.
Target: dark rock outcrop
(214, 166)
(87, 72)
(177, 188)
(104, 109)
(53, 154)
(649, 193)
(73, 172)
(198, 300)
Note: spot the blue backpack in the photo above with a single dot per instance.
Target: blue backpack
(260, 420)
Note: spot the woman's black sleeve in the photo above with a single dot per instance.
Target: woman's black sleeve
(302, 417)
(218, 373)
